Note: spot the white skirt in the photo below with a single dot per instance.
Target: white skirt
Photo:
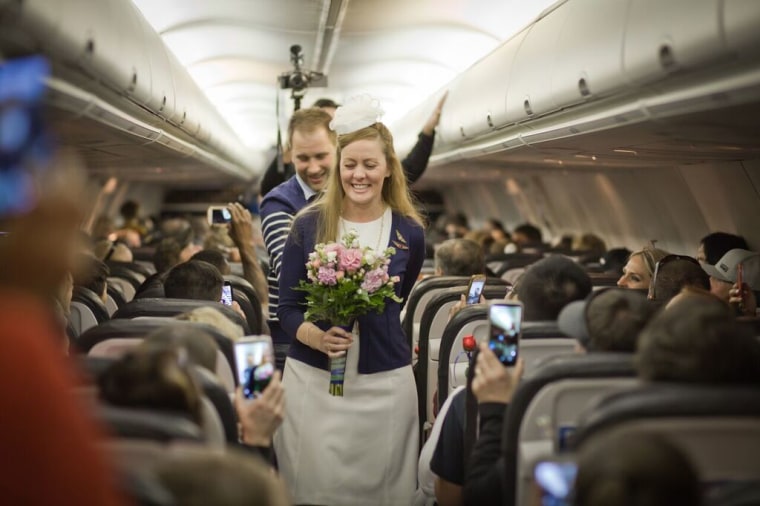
(359, 449)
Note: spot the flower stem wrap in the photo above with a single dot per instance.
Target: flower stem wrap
(337, 368)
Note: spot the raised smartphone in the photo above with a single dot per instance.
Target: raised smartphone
(227, 293)
(254, 361)
(475, 288)
(504, 322)
(217, 215)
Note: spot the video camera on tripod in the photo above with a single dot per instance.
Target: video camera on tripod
(299, 79)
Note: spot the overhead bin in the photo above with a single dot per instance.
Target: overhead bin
(530, 89)
(741, 19)
(588, 62)
(663, 37)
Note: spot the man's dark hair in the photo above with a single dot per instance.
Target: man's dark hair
(717, 244)
(531, 232)
(194, 280)
(167, 254)
(460, 257)
(673, 276)
(129, 209)
(615, 318)
(92, 274)
(215, 258)
(635, 470)
(549, 285)
(326, 102)
(697, 340)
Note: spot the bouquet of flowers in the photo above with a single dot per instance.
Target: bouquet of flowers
(346, 281)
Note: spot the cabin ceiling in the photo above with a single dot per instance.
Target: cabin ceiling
(399, 51)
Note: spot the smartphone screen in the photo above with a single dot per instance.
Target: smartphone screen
(254, 360)
(504, 320)
(555, 480)
(475, 288)
(227, 294)
(218, 215)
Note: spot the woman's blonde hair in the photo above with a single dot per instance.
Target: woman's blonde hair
(651, 256)
(395, 191)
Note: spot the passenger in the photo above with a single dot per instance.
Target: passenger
(638, 272)
(216, 319)
(614, 260)
(215, 258)
(697, 340)
(112, 251)
(671, 274)
(92, 274)
(170, 251)
(715, 245)
(414, 164)
(723, 275)
(45, 429)
(373, 462)
(497, 231)
(200, 346)
(607, 320)
(635, 470)
(195, 280)
(155, 379)
(130, 216)
(201, 477)
(456, 225)
(528, 238)
(591, 246)
(544, 289)
(459, 257)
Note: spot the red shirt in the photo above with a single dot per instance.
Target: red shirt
(48, 443)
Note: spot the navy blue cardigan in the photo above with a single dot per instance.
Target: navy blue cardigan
(383, 345)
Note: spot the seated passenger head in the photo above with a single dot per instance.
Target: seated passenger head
(166, 255)
(155, 379)
(715, 245)
(614, 260)
(215, 258)
(671, 274)
(635, 470)
(201, 347)
(724, 273)
(129, 210)
(216, 319)
(590, 243)
(312, 146)
(459, 257)
(549, 285)
(110, 251)
(92, 274)
(527, 235)
(697, 340)
(608, 320)
(456, 225)
(198, 476)
(194, 280)
(639, 269)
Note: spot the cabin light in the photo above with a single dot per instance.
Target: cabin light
(593, 157)
(627, 151)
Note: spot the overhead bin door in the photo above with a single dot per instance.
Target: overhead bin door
(741, 19)
(666, 36)
(529, 93)
(589, 46)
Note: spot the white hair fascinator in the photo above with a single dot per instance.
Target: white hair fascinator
(359, 112)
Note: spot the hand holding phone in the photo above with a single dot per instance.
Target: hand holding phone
(504, 322)
(218, 215)
(475, 288)
(254, 361)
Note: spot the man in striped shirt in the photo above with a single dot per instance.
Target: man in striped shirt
(313, 150)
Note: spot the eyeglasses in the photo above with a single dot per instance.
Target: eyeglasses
(664, 260)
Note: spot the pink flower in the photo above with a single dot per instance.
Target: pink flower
(327, 276)
(374, 279)
(350, 259)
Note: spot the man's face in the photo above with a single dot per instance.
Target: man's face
(313, 156)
